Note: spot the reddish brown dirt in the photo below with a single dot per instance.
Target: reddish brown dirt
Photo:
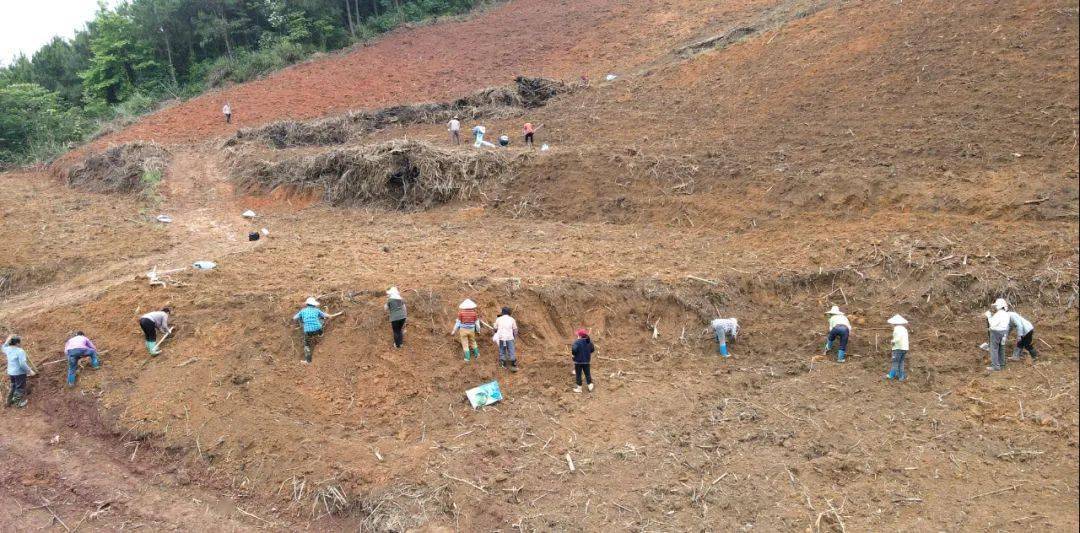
(801, 168)
(553, 38)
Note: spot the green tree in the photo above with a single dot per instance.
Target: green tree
(34, 123)
(119, 61)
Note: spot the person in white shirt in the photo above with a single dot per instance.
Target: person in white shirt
(1025, 337)
(722, 329)
(506, 331)
(839, 329)
(227, 111)
(998, 323)
(454, 127)
(478, 132)
(900, 348)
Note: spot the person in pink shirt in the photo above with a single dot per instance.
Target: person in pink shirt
(529, 131)
(76, 348)
(506, 332)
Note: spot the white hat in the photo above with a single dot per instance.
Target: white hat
(393, 293)
(1000, 303)
(467, 304)
(312, 301)
(834, 311)
(898, 320)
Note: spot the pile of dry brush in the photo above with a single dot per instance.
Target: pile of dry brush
(400, 174)
(119, 169)
(494, 102)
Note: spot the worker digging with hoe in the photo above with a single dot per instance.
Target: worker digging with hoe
(77, 347)
(18, 369)
(467, 327)
(311, 325)
(506, 332)
(839, 330)
(395, 307)
(150, 324)
(722, 329)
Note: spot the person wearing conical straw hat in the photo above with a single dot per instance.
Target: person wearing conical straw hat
(900, 346)
(839, 331)
(395, 307)
(467, 328)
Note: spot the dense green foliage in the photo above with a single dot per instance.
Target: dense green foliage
(145, 51)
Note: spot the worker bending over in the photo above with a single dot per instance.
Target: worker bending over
(76, 348)
(839, 330)
(722, 329)
(311, 324)
(150, 324)
(1025, 337)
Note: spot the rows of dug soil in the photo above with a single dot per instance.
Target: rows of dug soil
(673, 438)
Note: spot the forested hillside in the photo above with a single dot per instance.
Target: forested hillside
(134, 56)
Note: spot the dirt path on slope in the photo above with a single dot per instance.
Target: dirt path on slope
(206, 226)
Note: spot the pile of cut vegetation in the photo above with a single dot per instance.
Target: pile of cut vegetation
(490, 103)
(400, 174)
(126, 168)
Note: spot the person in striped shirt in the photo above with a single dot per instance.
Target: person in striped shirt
(467, 328)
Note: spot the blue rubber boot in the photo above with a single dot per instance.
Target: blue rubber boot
(467, 353)
(150, 348)
(828, 346)
(476, 353)
(840, 356)
(723, 350)
(891, 374)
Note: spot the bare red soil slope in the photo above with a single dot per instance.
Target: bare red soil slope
(555, 38)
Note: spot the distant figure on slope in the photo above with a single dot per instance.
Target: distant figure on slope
(18, 369)
(467, 327)
(478, 133)
(76, 348)
(899, 348)
(150, 324)
(506, 332)
(722, 329)
(227, 111)
(530, 132)
(311, 325)
(582, 351)
(839, 328)
(454, 127)
(395, 307)
(1025, 337)
(998, 327)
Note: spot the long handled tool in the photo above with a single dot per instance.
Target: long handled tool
(157, 344)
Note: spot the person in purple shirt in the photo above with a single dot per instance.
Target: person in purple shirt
(76, 348)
